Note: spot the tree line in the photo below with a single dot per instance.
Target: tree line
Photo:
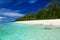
(51, 11)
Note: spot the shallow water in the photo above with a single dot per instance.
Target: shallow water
(13, 31)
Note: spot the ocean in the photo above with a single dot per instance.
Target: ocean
(15, 31)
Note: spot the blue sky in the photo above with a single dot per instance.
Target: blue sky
(12, 9)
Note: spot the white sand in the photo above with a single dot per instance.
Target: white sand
(42, 22)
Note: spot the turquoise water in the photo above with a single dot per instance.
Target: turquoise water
(13, 31)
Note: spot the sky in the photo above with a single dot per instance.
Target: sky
(10, 10)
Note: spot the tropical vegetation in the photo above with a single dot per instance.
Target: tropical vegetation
(51, 11)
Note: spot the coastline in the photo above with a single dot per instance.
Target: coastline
(53, 22)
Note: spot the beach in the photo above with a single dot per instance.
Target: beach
(54, 22)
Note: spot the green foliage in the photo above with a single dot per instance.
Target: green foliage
(30, 16)
(52, 11)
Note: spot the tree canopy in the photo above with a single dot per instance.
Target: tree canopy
(52, 11)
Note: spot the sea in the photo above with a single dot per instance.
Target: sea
(16, 31)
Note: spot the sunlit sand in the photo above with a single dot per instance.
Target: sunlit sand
(43, 22)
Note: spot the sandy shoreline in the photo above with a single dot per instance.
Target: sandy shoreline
(42, 22)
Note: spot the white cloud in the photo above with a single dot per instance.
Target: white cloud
(13, 14)
(9, 12)
(33, 1)
(2, 17)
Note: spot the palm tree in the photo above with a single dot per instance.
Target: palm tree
(53, 8)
